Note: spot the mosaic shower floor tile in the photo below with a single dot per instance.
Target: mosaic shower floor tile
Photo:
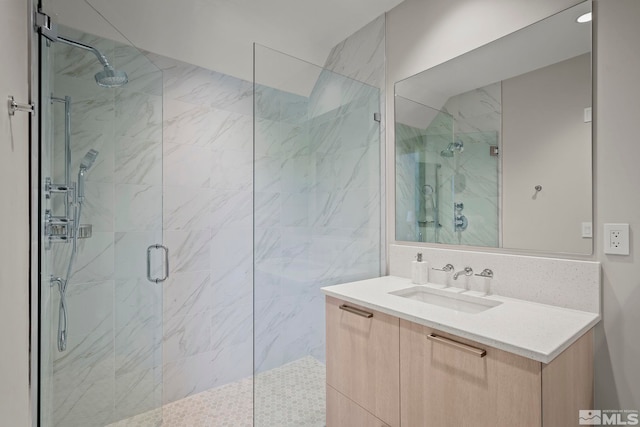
(292, 395)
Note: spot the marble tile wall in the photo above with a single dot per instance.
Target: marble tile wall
(133, 344)
(318, 197)
(361, 56)
(110, 369)
(207, 213)
(471, 177)
(410, 152)
(356, 159)
(474, 180)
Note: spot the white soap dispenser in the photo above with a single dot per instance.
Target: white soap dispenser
(419, 271)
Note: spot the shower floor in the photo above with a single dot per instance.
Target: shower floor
(292, 395)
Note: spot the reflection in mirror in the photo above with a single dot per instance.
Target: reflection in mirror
(493, 148)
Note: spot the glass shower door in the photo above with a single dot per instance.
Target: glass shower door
(101, 259)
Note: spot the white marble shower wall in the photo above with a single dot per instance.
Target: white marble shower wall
(345, 147)
(284, 273)
(121, 359)
(110, 368)
(317, 212)
(470, 177)
(410, 150)
(318, 197)
(207, 211)
(474, 182)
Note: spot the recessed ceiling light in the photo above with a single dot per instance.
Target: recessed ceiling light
(584, 18)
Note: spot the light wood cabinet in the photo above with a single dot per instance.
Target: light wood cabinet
(567, 384)
(385, 371)
(445, 382)
(345, 412)
(363, 359)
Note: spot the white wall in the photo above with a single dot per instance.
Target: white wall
(617, 176)
(218, 35)
(546, 142)
(14, 218)
(421, 34)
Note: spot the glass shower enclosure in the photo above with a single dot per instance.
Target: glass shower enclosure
(317, 209)
(317, 222)
(100, 207)
(447, 177)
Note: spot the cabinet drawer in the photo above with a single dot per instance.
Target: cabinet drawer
(448, 381)
(363, 358)
(342, 412)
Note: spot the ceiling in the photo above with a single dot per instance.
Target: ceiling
(219, 34)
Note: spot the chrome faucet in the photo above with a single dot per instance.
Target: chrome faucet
(468, 271)
(488, 273)
(446, 268)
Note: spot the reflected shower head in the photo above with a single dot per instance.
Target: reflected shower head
(451, 148)
(111, 78)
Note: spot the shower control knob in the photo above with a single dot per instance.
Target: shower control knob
(460, 223)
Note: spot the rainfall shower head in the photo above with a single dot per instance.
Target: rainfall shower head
(109, 77)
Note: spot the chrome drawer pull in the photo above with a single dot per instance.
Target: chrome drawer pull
(464, 347)
(356, 311)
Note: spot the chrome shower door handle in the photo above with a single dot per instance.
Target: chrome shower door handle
(166, 263)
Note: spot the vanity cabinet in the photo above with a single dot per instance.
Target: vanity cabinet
(448, 381)
(363, 365)
(386, 371)
(342, 411)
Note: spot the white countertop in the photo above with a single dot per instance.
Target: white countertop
(536, 331)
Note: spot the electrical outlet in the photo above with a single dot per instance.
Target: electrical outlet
(616, 239)
(587, 230)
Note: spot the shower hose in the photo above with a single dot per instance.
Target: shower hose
(63, 282)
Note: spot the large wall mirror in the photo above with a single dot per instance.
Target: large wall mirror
(493, 148)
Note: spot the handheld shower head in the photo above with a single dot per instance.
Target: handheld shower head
(85, 165)
(88, 159)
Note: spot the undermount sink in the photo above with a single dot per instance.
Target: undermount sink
(447, 299)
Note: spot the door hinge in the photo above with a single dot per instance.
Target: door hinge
(46, 25)
(377, 117)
